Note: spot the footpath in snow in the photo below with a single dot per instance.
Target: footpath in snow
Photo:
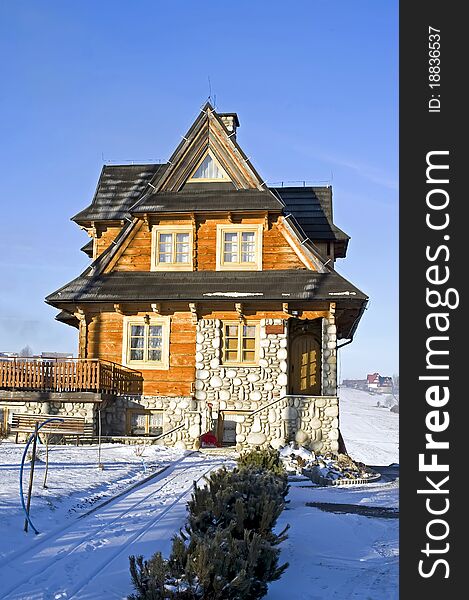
(87, 558)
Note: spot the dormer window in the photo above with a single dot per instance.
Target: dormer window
(239, 247)
(209, 169)
(171, 248)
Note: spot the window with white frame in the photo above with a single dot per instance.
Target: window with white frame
(144, 422)
(239, 247)
(146, 342)
(172, 248)
(240, 343)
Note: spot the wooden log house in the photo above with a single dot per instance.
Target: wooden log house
(211, 304)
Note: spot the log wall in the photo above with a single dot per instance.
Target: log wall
(277, 254)
(105, 333)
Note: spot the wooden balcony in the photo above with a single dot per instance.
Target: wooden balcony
(70, 379)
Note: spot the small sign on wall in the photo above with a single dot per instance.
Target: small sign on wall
(274, 329)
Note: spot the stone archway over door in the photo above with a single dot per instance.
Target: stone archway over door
(305, 366)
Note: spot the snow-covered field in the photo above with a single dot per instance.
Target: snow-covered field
(332, 556)
(371, 433)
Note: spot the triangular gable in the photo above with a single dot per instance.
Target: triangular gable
(208, 169)
(209, 134)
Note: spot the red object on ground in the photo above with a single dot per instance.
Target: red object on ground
(208, 440)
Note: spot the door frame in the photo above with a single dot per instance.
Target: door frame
(221, 421)
(299, 328)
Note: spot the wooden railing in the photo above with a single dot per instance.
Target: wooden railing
(69, 375)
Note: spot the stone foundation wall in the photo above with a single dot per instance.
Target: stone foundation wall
(310, 421)
(67, 409)
(176, 411)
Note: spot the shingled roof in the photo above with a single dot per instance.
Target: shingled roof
(88, 248)
(312, 208)
(284, 286)
(119, 187)
(208, 200)
(202, 285)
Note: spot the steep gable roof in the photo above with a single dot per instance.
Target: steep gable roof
(311, 208)
(208, 132)
(118, 188)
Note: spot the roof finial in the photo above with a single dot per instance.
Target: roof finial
(211, 99)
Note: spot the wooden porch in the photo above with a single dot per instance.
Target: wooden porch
(65, 377)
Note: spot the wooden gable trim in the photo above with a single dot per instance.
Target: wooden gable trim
(307, 258)
(124, 244)
(232, 154)
(209, 133)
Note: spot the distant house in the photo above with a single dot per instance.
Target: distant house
(377, 383)
(372, 381)
(211, 305)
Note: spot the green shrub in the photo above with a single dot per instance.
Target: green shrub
(252, 499)
(228, 550)
(266, 458)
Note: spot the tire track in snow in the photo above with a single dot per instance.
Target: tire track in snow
(43, 538)
(74, 558)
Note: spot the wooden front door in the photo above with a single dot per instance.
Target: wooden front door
(305, 366)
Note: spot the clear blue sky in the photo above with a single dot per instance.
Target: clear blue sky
(314, 84)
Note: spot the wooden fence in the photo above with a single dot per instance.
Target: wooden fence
(69, 375)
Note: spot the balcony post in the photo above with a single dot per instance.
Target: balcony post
(112, 377)
(98, 376)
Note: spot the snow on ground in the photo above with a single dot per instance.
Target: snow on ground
(88, 558)
(338, 556)
(371, 433)
(74, 484)
(332, 556)
(346, 556)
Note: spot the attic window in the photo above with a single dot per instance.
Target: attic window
(209, 170)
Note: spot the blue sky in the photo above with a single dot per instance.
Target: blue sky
(315, 85)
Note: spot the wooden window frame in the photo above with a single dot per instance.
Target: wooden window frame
(208, 179)
(172, 266)
(162, 364)
(239, 360)
(141, 411)
(223, 228)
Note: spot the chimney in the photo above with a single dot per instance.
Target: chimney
(230, 121)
